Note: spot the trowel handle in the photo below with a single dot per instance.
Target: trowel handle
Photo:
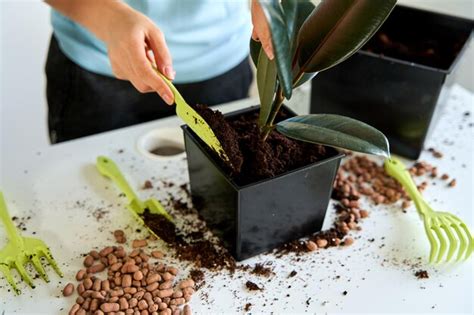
(109, 169)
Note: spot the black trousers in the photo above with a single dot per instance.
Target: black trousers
(82, 103)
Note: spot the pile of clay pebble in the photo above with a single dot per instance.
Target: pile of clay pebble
(134, 284)
(361, 176)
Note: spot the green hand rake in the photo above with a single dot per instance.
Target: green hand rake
(445, 231)
(21, 250)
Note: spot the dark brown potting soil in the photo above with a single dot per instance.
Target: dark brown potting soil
(191, 247)
(252, 286)
(252, 158)
(225, 133)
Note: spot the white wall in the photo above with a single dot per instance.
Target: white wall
(25, 33)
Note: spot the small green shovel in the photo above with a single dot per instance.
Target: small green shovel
(195, 121)
(109, 169)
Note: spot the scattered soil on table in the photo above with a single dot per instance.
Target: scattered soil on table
(422, 274)
(247, 307)
(292, 274)
(261, 270)
(252, 158)
(191, 247)
(198, 277)
(147, 185)
(252, 286)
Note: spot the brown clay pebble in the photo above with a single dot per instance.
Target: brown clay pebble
(96, 268)
(322, 243)
(110, 307)
(139, 243)
(187, 310)
(311, 246)
(452, 183)
(348, 241)
(74, 309)
(444, 176)
(80, 274)
(68, 289)
(88, 261)
(157, 254)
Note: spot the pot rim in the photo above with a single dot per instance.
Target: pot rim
(337, 154)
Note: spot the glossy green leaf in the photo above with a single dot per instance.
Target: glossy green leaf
(295, 13)
(266, 81)
(281, 43)
(337, 29)
(336, 131)
(255, 48)
(304, 78)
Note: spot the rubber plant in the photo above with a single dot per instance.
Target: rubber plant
(308, 39)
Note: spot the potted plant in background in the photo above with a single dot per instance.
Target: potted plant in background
(398, 81)
(283, 166)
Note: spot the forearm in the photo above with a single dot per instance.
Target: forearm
(95, 15)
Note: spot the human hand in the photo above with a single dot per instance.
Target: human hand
(134, 44)
(261, 30)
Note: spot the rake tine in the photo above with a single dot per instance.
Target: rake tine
(24, 275)
(49, 257)
(8, 276)
(463, 243)
(433, 242)
(453, 242)
(470, 245)
(39, 268)
(442, 242)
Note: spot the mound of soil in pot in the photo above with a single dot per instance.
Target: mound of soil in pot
(252, 158)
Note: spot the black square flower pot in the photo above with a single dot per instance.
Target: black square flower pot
(260, 216)
(400, 96)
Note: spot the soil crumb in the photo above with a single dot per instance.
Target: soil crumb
(422, 274)
(247, 307)
(147, 185)
(252, 286)
(261, 270)
(252, 158)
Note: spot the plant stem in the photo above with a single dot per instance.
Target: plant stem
(268, 127)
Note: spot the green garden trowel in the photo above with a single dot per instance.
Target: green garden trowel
(196, 122)
(109, 169)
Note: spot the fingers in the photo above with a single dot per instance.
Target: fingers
(145, 75)
(261, 30)
(161, 53)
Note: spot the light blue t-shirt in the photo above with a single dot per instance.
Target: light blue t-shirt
(206, 38)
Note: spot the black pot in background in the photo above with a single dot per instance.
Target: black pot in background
(258, 217)
(399, 97)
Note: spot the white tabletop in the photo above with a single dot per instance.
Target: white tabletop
(61, 191)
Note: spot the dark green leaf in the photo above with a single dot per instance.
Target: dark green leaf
(296, 12)
(305, 77)
(266, 81)
(336, 131)
(337, 29)
(281, 44)
(255, 48)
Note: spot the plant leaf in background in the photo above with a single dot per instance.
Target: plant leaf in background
(336, 131)
(337, 29)
(266, 82)
(281, 43)
(255, 48)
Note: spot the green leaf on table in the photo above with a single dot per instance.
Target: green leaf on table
(336, 29)
(266, 82)
(281, 43)
(336, 131)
